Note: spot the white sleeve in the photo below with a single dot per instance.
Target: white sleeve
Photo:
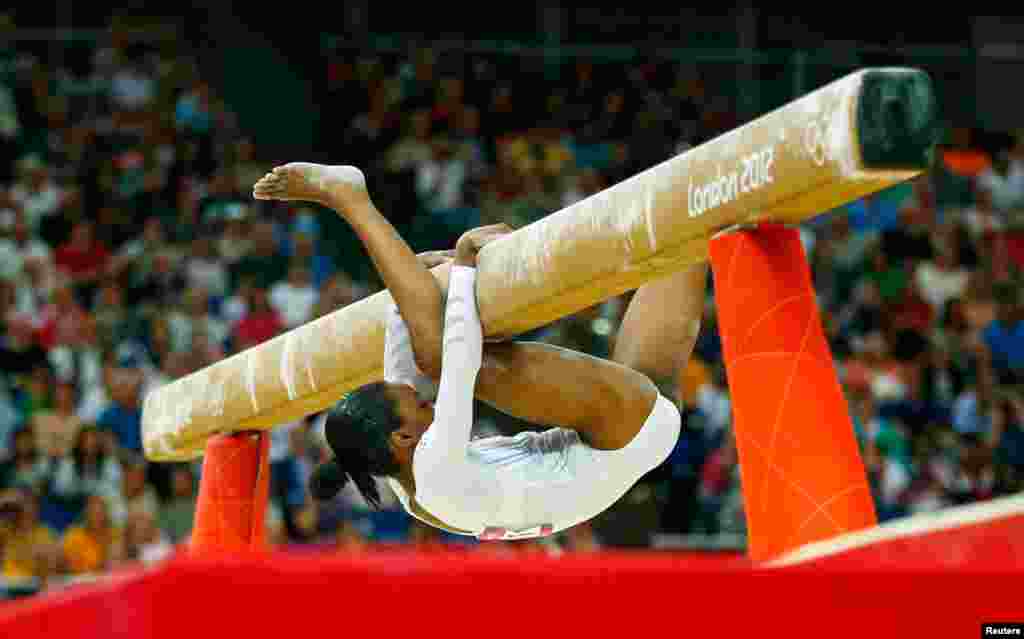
(399, 358)
(447, 483)
(64, 479)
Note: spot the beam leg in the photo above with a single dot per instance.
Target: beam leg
(802, 474)
(233, 494)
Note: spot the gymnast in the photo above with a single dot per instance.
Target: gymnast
(611, 422)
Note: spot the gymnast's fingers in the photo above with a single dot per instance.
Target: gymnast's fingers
(431, 259)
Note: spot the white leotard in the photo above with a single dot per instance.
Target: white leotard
(528, 485)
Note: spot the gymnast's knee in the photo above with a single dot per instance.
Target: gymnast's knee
(661, 431)
(672, 426)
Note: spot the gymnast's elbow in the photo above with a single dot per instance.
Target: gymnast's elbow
(666, 425)
(429, 363)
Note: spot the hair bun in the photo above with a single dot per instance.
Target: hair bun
(327, 481)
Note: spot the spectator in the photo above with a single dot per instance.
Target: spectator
(1006, 438)
(173, 366)
(204, 269)
(222, 202)
(94, 400)
(32, 266)
(890, 279)
(300, 219)
(136, 256)
(132, 88)
(585, 183)
(92, 468)
(441, 179)
(246, 168)
(236, 240)
(941, 279)
(413, 149)
(79, 361)
(135, 495)
(83, 259)
(1004, 336)
(979, 305)
(264, 264)
(501, 115)
(92, 545)
(28, 466)
(115, 323)
(61, 321)
(159, 286)
(37, 197)
(36, 392)
(10, 127)
(20, 355)
(195, 318)
(260, 322)
(449, 103)
(337, 292)
(143, 540)
(716, 479)
(193, 113)
(236, 306)
(471, 147)
(295, 298)
(929, 491)
(370, 133)
(975, 476)
(714, 404)
(349, 539)
(204, 351)
(56, 430)
(889, 460)
(1002, 183)
(28, 546)
(178, 513)
(320, 266)
(287, 485)
(123, 417)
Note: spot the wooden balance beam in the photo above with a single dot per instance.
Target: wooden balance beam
(858, 135)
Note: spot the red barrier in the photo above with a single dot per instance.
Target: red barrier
(986, 534)
(479, 594)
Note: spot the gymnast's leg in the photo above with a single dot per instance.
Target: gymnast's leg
(661, 325)
(606, 402)
(415, 291)
(614, 405)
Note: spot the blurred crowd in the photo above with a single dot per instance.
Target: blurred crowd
(131, 253)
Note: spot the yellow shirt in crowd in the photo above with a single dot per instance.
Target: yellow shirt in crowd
(695, 375)
(84, 551)
(20, 552)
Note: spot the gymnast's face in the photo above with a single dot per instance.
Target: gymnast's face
(416, 415)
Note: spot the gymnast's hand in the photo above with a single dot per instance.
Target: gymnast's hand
(469, 245)
(430, 259)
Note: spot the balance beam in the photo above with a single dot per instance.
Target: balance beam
(858, 135)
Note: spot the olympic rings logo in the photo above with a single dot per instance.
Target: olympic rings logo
(814, 141)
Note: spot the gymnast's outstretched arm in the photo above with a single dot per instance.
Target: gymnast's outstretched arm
(415, 291)
(605, 401)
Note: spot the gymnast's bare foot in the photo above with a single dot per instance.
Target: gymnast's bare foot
(337, 187)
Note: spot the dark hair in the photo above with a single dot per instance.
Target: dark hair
(78, 452)
(358, 429)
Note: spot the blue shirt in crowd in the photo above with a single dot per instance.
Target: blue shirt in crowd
(126, 424)
(1006, 343)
